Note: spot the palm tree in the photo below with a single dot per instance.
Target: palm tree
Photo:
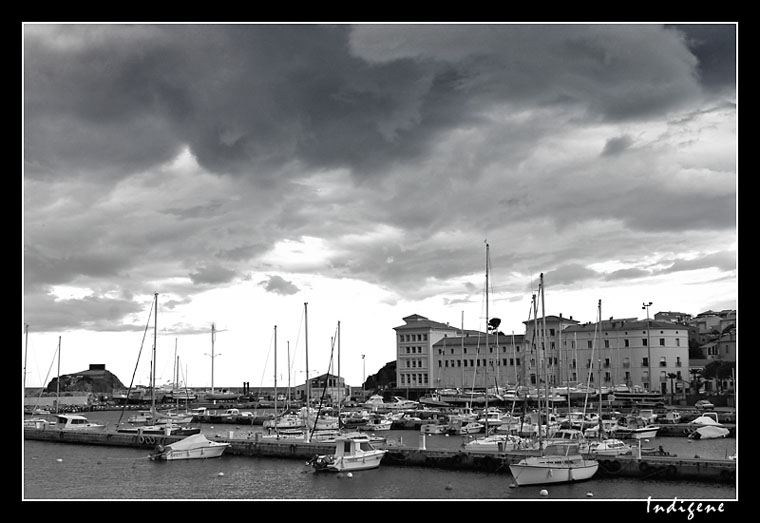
(672, 377)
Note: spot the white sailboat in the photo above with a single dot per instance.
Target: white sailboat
(557, 463)
(153, 426)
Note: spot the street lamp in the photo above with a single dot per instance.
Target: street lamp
(363, 375)
(213, 338)
(649, 348)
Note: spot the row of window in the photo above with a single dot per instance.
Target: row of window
(412, 337)
(414, 379)
(549, 361)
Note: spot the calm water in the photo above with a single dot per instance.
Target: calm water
(54, 471)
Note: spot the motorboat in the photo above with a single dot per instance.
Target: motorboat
(351, 453)
(376, 423)
(498, 443)
(559, 463)
(196, 446)
(466, 427)
(709, 432)
(434, 428)
(707, 427)
(609, 447)
(635, 428)
(645, 432)
(75, 422)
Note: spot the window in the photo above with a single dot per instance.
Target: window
(645, 362)
(606, 344)
(465, 363)
(590, 344)
(678, 342)
(678, 362)
(662, 342)
(626, 362)
(626, 343)
(663, 362)
(644, 342)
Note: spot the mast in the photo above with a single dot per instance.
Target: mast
(543, 353)
(488, 319)
(58, 381)
(340, 387)
(287, 398)
(538, 371)
(275, 372)
(153, 364)
(26, 339)
(599, 367)
(213, 337)
(308, 384)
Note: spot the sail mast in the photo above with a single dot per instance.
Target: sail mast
(58, 381)
(488, 319)
(275, 372)
(153, 364)
(308, 392)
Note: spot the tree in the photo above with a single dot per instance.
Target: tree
(718, 370)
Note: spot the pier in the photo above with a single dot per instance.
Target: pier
(646, 467)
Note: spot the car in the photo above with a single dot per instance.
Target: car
(703, 405)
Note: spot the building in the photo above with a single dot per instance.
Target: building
(649, 353)
(466, 361)
(547, 333)
(414, 351)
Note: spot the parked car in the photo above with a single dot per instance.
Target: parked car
(704, 405)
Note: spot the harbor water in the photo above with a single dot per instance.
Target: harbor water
(59, 471)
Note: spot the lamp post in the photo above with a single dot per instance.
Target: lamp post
(213, 338)
(649, 348)
(364, 374)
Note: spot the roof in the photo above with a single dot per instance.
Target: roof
(554, 318)
(415, 321)
(625, 324)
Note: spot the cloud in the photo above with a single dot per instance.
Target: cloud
(186, 156)
(278, 285)
(212, 275)
(615, 146)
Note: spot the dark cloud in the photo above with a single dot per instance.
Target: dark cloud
(212, 275)
(279, 285)
(615, 146)
(400, 147)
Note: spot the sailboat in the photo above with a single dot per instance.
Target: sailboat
(168, 427)
(559, 462)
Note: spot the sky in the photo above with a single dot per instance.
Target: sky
(278, 180)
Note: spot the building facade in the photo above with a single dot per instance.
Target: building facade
(474, 360)
(653, 354)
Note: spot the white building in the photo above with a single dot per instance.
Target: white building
(628, 351)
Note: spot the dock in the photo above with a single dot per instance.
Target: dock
(646, 467)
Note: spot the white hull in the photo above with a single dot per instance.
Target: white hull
(193, 447)
(203, 453)
(535, 471)
(642, 433)
(351, 463)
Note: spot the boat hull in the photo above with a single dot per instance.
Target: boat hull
(353, 463)
(533, 471)
(203, 453)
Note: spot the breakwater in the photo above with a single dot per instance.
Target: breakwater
(646, 467)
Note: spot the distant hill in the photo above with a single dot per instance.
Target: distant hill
(96, 379)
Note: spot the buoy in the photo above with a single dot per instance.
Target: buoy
(544, 492)
(349, 475)
(589, 494)
(220, 474)
(59, 460)
(512, 485)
